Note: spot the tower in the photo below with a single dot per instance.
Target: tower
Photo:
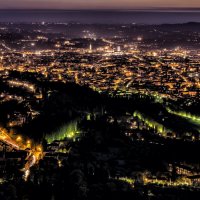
(90, 48)
(118, 48)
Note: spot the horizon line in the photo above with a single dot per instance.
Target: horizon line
(108, 9)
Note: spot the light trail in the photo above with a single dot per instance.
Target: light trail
(31, 161)
(6, 139)
(26, 174)
(32, 158)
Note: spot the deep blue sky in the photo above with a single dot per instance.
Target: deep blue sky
(95, 4)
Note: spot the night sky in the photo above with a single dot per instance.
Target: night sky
(96, 4)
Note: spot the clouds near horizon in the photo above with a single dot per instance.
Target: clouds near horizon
(95, 4)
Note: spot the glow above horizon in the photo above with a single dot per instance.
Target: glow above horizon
(96, 4)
